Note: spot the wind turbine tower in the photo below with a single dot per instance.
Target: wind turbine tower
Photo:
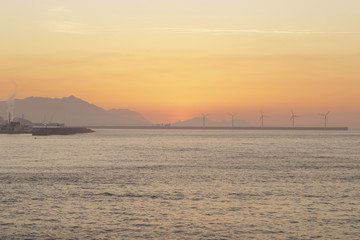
(325, 118)
(232, 118)
(293, 116)
(262, 116)
(204, 118)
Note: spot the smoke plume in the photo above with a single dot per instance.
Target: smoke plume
(11, 104)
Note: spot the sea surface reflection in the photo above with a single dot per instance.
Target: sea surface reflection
(173, 184)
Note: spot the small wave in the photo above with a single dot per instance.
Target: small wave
(7, 224)
(107, 194)
(244, 194)
(127, 195)
(312, 196)
(143, 225)
(37, 199)
(189, 149)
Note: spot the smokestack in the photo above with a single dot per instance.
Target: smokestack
(9, 117)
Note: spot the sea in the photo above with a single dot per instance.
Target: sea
(181, 184)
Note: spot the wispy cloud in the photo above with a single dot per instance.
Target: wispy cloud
(68, 27)
(59, 10)
(59, 20)
(243, 31)
(75, 27)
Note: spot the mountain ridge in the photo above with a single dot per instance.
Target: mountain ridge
(72, 111)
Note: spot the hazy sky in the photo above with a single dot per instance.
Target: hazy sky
(171, 59)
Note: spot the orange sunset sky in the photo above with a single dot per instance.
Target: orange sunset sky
(172, 59)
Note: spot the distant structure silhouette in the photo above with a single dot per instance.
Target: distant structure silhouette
(262, 116)
(325, 115)
(293, 116)
(204, 118)
(232, 118)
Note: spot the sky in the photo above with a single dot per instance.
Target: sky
(172, 59)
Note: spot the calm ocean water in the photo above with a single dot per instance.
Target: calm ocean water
(173, 184)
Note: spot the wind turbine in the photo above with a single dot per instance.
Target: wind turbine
(325, 117)
(262, 116)
(232, 118)
(204, 118)
(293, 116)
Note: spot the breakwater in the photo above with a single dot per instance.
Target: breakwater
(48, 131)
(60, 131)
(226, 128)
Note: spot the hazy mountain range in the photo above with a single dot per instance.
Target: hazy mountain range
(72, 111)
(198, 122)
